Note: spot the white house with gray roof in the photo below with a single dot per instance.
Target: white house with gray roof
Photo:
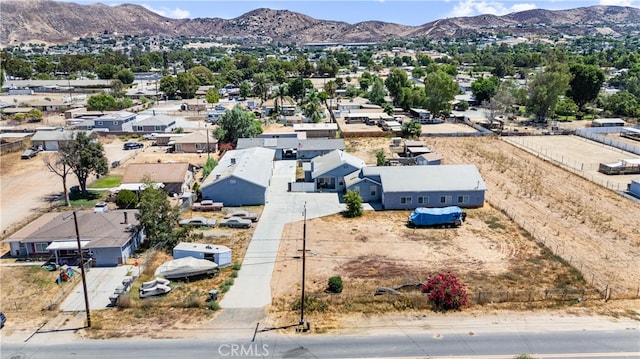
(328, 171)
(409, 187)
(241, 177)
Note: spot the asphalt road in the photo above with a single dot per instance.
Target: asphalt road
(545, 344)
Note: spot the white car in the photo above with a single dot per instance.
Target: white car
(101, 207)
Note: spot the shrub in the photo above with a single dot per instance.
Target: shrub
(126, 199)
(335, 284)
(213, 305)
(236, 266)
(445, 291)
(311, 304)
(353, 201)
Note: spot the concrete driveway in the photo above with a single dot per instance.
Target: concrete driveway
(101, 283)
(252, 288)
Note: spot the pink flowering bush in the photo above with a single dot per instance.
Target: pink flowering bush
(445, 291)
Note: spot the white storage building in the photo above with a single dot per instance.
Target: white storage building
(218, 254)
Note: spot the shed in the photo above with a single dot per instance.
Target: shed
(218, 254)
(634, 187)
(607, 122)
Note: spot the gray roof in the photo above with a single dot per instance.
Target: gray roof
(53, 135)
(357, 177)
(201, 247)
(336, 158)
(157, 120)
(314, 144)
(252, 165)
(427, 178)
(103, 230)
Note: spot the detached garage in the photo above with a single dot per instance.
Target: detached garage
(218, 254)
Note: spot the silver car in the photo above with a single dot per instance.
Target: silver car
(198, 222)
(236, 222)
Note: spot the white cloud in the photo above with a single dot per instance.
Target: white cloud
(479, 7)
(176, 13)
(620, 2)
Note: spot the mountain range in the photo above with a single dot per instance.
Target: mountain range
(54, 22)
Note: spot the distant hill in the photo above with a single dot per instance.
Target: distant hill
(60, 22)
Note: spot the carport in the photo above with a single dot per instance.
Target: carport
(66, 249)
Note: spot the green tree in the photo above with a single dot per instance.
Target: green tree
(261, 86)
(281, 94)
(330, 89)
(18, 68)
(378, 92)
(35, 115)
(440, 90)
(622, 103)
(411, 129)
(101, 102)
(245, 89)
(212, 95)
(335, 284)
(544, 90)
(585, 83)
(311, 107)
(209, 165)
(106, 71)
(365, 81)
(126, 76)
(380, 159)
(353, 200)
(236, 123)
(396, 80)
(169, 85)
(85, 155)
(484, 88)
(117, 88)
(157, 217)
(187, 84)
(126, 199)
(204, 76)
(565, 107)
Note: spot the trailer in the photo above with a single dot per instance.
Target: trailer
(451, 216)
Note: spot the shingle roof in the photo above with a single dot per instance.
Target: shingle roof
(157, 172)
(252, 165)
(102, 229)
(333, 159)
(427, 178)
(290, 142)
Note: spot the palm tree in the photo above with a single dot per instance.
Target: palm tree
(281, 94)
(261, 85)
(311, 106)
(330, 89)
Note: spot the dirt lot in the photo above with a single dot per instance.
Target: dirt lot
(561, 213)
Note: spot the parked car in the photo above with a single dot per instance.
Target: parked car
(28, 154)
(101, 207)
(236, 222)
(253, 217)
(207, 205)
(198, 222)
(132, 145)
(149, 136)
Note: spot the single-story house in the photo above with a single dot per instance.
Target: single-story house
(218, 254)
(109, 238)
(328, 171)
(137, 94)
(304, 148)
(48, 106)
(288, 107)
(317, 130)
(17, 110)
(195, 142)
(409, 187)
(370, 118)
(241, 177)
(156, 123)
(117, 121)
(174, 177)
(634, 187)
(194, 104)
(429, 159)
(166, 139)
(52, 140)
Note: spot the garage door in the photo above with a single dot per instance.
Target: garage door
(51, 145)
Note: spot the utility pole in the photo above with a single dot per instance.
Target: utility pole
(208, 145)
(84, 279)
(304, 257)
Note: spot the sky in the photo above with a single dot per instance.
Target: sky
(405, 12)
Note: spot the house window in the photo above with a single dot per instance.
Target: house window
(423, 200)
(373, 190)
(200, 146)
(340, 183)
(463, 199)
(232, 181)
(445, 199)
(115, 122)
(405, 200)
(100, 123)
(41, 247)
(178, 148)
(157, 128)
(139, 128)
(356, 189)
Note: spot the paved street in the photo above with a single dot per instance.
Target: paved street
(252, 288)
